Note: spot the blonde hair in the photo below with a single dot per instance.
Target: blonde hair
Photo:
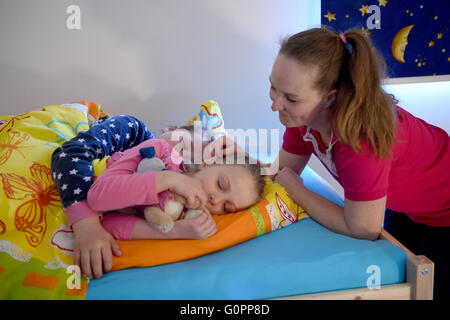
(258, 178)
(363, 110)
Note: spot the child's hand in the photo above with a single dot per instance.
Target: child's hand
(189, 188)
(94, 247)
(201, 227)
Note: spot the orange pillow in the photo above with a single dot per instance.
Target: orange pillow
(274, 211)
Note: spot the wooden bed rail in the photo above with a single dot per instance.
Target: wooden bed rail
(419, 271)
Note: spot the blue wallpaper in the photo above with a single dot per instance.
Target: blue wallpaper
(412, 35)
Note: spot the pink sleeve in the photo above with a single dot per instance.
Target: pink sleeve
(120, 225)
(120, 186)
(293, 142)
(80, 211)
(364, 177)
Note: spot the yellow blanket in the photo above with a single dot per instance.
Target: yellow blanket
(35, 239)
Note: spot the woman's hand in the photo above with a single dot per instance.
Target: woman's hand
(287, 178)
(94, 247)
(221, 148)
(201, 227)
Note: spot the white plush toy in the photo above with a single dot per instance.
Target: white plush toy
(163, 220)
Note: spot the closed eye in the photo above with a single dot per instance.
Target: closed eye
(222, 183)
(289, 99)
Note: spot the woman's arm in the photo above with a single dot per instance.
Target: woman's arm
(359, 219)
(289, 160)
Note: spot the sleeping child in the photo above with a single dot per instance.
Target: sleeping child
(72, 168)
(220, 188)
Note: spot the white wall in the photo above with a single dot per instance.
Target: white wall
(155, 59)
(160, 59)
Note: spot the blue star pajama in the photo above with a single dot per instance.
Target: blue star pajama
(72, 162)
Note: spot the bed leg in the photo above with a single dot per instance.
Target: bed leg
(420, 274)
(419, 271)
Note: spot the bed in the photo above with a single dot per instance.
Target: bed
(295, 260)
(301, 261)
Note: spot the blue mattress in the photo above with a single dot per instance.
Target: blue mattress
(299, 259)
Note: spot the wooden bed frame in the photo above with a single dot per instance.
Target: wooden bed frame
(418, 285)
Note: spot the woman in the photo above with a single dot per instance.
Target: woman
(327, 91)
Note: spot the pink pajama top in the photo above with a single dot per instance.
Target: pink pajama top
(119, 186)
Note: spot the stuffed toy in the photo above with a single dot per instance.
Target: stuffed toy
(162, 217)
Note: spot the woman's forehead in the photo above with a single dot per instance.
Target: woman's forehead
(291, 76)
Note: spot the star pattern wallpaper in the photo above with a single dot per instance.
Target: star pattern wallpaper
(412, 35)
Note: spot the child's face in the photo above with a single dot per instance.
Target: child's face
(230, 188)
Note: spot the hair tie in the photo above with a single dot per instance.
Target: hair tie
(344, 40)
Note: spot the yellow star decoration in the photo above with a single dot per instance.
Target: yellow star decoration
(420, 62)
(431, 43)
(366, 32)
(364, 9)
(440, 35)
(436, 17)
(330, 16)
(382, 3)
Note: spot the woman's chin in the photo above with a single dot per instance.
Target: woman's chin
(288, 122)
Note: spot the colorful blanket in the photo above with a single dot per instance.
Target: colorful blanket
(36, 242)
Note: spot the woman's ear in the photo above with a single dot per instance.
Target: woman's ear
(330, 99)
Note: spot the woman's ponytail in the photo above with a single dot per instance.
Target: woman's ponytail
(349, 63)
(364, 110)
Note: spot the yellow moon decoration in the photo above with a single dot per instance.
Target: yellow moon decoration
(399, 43)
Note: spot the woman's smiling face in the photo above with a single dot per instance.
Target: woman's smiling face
(230, 188)
(292, 92)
